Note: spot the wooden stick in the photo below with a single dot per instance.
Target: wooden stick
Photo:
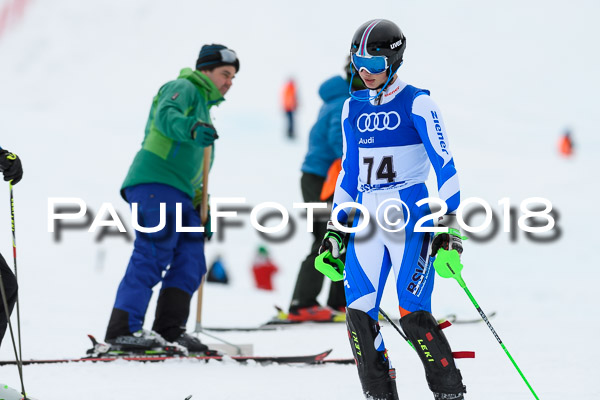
(204, 219)
(199, 309)
(205, 169)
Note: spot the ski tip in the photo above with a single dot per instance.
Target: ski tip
(93, 339)
(450, 318)
(323, 355)
(281, 317)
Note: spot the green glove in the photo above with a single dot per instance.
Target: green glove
(333, 241)
(208, 228)
(328, 262)
(204, 133)
(448, 241)
(447, 248)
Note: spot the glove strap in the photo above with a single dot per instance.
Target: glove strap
(450, 221)
(457, 233)
(332, 231)
(335, 235)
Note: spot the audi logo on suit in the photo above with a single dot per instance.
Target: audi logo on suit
(378, 121)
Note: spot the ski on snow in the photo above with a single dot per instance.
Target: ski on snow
(164, 355)
(279, 322)
(239, 328)
(314, 359)
(455, 320)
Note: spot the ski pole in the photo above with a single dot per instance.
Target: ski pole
(238, 349)
(388, 319)
(12, 335)
(448, 265)
(3, 294)
(14, 242)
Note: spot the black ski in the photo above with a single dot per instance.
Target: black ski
(274, 323)
(319, 358)
(101, 352)
(240, 328)
(280, 321)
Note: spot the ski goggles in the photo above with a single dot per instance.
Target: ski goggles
(372, 64)
(228, 56)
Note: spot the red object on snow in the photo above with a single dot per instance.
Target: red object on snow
(263, 270)
(565, 146)
(314, 313)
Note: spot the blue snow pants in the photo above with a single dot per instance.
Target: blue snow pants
(175, 258)
(372, 253)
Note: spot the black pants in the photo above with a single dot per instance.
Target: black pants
(310, 281)
(10, 287)
(290, 124)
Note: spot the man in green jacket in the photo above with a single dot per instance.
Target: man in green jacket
(169, 169)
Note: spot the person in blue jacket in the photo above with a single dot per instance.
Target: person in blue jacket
(324, 151)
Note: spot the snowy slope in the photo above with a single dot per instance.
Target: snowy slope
(77, 79)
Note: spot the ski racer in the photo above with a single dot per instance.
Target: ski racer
(392, 134)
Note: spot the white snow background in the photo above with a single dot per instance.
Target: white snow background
(76, 83)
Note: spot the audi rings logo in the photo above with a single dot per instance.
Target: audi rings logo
(380, 121)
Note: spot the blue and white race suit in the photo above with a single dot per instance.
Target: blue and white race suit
(389, 145)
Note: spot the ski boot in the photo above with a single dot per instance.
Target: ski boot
(194, 346)
(142, 342)
(377, 376)
(444, 379)
(315, 314)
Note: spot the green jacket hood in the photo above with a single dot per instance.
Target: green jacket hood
(204, 84)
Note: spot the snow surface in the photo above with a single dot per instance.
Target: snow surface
(77, 81)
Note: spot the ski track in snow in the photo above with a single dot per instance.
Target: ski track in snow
(77, 82)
